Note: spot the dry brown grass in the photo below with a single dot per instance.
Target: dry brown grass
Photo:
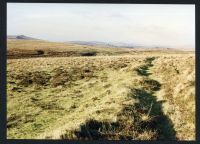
(36, 48)
(130, 96)
(90, 94)
(177, 75)
(32, 48)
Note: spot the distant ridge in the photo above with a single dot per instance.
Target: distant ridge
(128, 45)
(105, 44)
(20, 37)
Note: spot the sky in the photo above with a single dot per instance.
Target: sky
(139, 24)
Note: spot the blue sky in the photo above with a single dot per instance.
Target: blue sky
(148, 25)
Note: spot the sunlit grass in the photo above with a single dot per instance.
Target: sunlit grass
(124, 96)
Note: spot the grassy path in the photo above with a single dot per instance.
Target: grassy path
(154, 118)
(114, 97)
(143, 120)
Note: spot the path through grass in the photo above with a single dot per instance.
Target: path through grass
(143, 120)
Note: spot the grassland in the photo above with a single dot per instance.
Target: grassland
(117, 94)
(37, 48)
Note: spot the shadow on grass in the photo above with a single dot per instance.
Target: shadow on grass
(152, 115)
(144, 120)
(143, 70)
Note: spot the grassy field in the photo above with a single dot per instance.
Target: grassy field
(117, 94)
(37, 48)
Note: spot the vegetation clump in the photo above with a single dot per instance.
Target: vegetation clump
(38, 78)
(40, 52)
(88, 54)
(118, 94)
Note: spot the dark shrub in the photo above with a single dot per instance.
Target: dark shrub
(88, 54)
(40, 52)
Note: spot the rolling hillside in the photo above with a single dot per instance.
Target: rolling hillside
(58, 91)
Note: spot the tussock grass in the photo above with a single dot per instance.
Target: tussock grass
(95, 94)
(132, 97)
(177, 75)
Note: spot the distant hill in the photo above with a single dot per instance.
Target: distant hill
(20, 37)
(105, 44)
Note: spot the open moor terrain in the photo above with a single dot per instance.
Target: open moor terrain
(69, 91)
